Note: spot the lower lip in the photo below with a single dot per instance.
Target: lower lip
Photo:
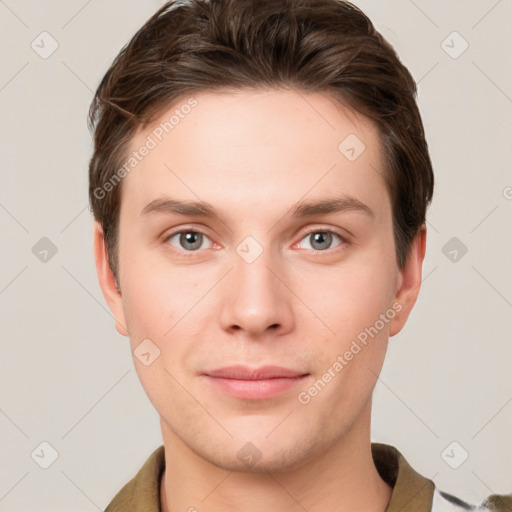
(256, 389)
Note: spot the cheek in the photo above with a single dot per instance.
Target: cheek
(150, 299)
(352, 306)
(348, 299)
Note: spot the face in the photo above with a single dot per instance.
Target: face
(296, 269)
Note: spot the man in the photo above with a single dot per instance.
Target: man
(282, 141)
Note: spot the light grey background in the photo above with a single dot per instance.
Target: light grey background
(68, 378)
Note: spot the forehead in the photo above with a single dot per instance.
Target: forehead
(260, 146)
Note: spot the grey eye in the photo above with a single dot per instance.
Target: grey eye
(188, 240)
(320, 240)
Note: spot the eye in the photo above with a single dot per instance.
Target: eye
(188, 240)
(321, 240)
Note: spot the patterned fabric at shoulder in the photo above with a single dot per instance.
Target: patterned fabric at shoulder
(498, 503)
(444, 502)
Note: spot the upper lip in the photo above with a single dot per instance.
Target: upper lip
(246, 373)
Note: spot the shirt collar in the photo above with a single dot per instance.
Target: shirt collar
(411, 491)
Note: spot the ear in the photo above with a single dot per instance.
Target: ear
(107, 280)
(409, 281)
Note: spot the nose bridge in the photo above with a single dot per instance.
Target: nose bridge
(252, 266)
(256, 298)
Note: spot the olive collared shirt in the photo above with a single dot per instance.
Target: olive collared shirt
(411, 491)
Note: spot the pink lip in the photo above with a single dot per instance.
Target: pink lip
(254, 383)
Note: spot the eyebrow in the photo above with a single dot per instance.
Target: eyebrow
(168, 205)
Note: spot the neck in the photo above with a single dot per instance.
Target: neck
(342, 477)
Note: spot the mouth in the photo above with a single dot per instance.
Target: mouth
(254, 383)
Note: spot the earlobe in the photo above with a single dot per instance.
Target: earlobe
(107, 280)
(409, 281)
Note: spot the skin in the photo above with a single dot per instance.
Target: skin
(253, 155)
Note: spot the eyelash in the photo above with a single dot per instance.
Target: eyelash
(344, 241)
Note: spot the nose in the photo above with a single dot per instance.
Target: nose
(255, 297)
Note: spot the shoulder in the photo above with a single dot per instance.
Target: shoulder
(142, 492)
(444, 502)
(413, 491)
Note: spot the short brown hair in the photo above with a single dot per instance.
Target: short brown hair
(189, 46)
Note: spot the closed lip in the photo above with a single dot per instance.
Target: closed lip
(241, 372)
